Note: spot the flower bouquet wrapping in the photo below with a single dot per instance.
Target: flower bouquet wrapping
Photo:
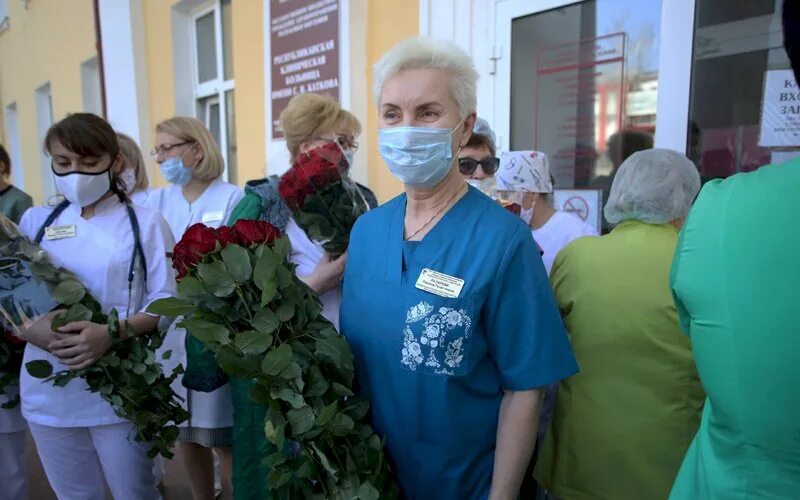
(323, 199)
(240, 297)
(128, 376)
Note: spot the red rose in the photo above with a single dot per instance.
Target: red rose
(197, 241)
(255, 232)
(310, 173)
(11, 339)
(227, 235)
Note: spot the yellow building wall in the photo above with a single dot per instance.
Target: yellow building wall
(248, 63)
(389, 21)
(160, 85)
(46, 42)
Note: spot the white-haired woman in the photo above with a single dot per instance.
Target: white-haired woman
(622, 426)
(446, 302)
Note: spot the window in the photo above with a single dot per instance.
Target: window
(736, 43)
(90, 87)
(44, 120)
(213, 77)
(3, 14)
(12, 131)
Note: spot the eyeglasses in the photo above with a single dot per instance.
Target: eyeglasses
(467, 166)
(345, 143)
(166, 148)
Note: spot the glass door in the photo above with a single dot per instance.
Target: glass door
(589, 83)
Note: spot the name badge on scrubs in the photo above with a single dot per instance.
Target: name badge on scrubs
(440, 284)
(212, 217)
(60, 232)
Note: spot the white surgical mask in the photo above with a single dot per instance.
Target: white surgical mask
(527, 214)
(83, 189)
(421, 157)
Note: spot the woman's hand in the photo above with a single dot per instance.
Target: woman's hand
(80, 343)
(327, 275)
(39, 333)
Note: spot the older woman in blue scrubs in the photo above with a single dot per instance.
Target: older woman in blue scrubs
(446, 302)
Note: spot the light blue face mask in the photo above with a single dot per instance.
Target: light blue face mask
(421, 157)
(174, 172)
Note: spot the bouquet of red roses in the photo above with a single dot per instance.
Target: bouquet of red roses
(241, 299)
(323, 199)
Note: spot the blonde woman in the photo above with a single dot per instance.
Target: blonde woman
(132, 171)
(191, 161)
(310, 121)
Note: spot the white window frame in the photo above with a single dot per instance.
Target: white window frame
(218, 86)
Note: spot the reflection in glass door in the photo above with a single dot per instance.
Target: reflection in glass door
(582, 83)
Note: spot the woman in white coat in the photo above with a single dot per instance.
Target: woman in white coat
(80, 439)
(191, 161)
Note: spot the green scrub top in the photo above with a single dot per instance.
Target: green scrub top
(736, 280)
(621, 425)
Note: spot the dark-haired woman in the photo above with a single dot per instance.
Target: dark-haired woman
(93, 233)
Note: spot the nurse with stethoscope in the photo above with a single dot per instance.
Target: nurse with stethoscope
(191, 162)
(118, 252)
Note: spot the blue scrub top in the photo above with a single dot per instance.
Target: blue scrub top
(435, 368)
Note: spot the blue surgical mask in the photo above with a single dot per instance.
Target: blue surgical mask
(174, 172)
(421, 157)
(349, 157)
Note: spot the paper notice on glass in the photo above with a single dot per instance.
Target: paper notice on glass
(780, 111)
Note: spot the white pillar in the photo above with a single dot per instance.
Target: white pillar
(125, 69)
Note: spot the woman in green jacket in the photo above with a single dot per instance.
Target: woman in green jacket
(622, 425)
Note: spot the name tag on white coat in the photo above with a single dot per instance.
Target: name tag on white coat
(60, 232)
(212, 217)
(440, 284)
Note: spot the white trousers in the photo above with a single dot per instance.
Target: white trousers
(77, 459)
(12, 466)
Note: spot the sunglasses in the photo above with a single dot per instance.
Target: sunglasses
(467, 166)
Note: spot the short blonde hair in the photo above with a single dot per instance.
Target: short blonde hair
(307, 116)
(132, 157)
(192, 130)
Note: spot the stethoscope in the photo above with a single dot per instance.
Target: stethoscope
(138, 250)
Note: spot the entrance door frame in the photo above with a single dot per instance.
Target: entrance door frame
(674, 66)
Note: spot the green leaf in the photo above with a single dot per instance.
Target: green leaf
(39, 368)
(252, 342)
(301, 420)
(342, 424)
(206, 331)
(69, 292)
(269, 292)
(170, 307)
(216, 278)
(341, 390)
(265, 321)
(265, 269)
(317, 385)
(337, 351)
(76, 312)
(357, 409)
(291, 397)
(285, 277)
(277, 360)
(237, 261)
(274, 459)
(191, 287)
(368, 492)
(292, 372)
(282, 248)
(167, 354)
(323, 459)
(285, 311)
(237, 366)
(327, 414)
